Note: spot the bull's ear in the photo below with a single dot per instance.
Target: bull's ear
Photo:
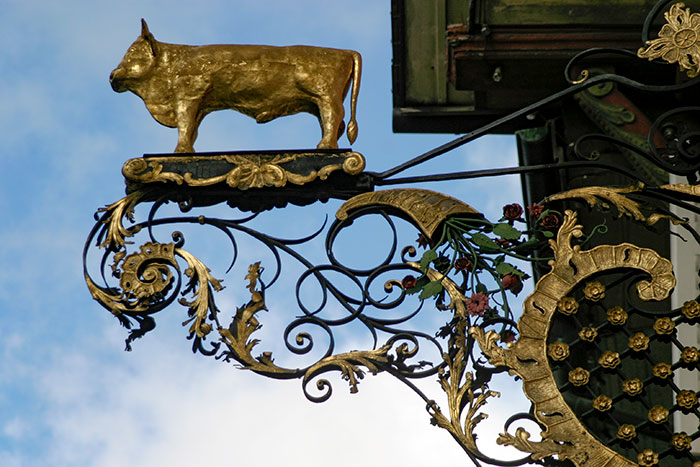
(146, 34)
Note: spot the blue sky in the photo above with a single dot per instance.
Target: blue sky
(69, 394)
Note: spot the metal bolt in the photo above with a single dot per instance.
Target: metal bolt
(497, 74)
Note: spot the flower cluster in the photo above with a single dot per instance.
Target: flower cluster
(481, 254)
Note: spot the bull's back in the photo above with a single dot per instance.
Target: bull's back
(267, 81)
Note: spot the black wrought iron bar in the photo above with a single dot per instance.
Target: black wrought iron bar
(488, 128)
(506, 171)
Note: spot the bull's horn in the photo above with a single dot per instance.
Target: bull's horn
(144, 28)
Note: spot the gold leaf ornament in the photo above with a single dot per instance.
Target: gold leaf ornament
(609, 359)
(617, 316)
(602, 403)
(687, 399)
(658, 414)
(647, 458)
(627, 432)
(558, 351)
(691, 309)
(662, 370)
(633, 386)
(664, 326)
(678, 40)
(639, 342)
(681, 441)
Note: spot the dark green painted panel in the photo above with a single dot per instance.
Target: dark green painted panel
(564, 12)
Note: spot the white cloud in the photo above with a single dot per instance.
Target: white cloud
(157, 406)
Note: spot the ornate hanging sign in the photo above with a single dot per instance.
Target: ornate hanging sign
(596, 345)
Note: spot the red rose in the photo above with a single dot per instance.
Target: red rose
(409, 282)
(512, 212)
(502, 242)
(512, 282)
(507, 336)
(550, 221)
(462, 264)
(477, 304)
(535, 210)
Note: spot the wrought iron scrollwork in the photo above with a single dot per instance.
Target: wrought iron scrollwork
(470, 268)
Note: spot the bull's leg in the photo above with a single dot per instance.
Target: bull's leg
(187, 123)
(331, 112)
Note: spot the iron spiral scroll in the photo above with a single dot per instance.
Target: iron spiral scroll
(464, 268)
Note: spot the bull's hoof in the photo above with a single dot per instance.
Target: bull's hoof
(184, 149)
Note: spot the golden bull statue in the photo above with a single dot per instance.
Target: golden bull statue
(181, 84)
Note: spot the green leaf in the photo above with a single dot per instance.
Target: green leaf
(507, 231)
(490, 314)
(485, 242)
(431, 289)
(428, 256)
(505, 268)
(481, 288)
(547, 233)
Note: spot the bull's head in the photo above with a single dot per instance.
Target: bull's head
(138, 61)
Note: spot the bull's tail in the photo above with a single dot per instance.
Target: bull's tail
(356, 72)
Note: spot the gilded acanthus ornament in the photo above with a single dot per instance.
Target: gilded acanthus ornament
(243, 170)
(181, 84)
(565, 436)
(678, 40)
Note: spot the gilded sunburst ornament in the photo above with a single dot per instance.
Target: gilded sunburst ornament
(678, 41)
